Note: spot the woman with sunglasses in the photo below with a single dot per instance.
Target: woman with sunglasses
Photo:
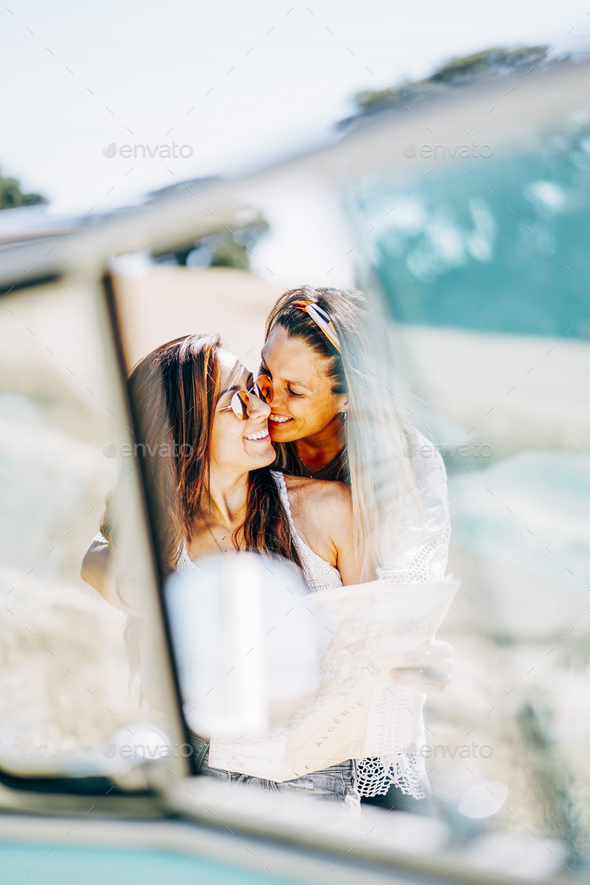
(337, 415)
(202, 414)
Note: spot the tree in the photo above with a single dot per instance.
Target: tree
(11, 195)
(455, 73)
(229, 247)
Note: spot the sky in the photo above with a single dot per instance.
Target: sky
(224, 85)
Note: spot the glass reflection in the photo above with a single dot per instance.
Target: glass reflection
(495, 402)
(68, 684)
(470, 266)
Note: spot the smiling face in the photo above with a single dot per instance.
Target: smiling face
(303, 404)
(239, 446)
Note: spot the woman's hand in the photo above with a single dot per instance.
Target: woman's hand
(429, 668)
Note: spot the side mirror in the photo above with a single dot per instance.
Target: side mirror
(247, 647)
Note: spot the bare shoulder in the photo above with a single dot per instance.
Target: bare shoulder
(324, 494)
(322, 513)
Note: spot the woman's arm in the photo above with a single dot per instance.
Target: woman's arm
(98, 570)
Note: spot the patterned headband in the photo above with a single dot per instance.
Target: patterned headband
(321, 319)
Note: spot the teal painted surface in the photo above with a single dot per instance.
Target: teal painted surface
(95, 866)
(497, 244)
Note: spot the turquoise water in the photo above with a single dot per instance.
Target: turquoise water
(93, 866)
(495, 245)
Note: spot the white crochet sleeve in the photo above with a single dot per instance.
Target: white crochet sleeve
(418, 555)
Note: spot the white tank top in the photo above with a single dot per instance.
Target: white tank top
(319, 574)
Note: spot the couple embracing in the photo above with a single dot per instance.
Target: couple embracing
(305, 460)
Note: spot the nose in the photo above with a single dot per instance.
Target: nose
(277, 402)
(260, 409)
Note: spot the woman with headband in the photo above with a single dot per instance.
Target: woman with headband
(335, 415)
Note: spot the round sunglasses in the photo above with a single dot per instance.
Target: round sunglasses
(241, 401)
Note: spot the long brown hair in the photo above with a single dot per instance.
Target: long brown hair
(376, 430)
(174, 392)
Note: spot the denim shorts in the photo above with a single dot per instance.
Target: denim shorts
(335, 784)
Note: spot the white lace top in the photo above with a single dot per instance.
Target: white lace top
(319, 574)
(418, 555)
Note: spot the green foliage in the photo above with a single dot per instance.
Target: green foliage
(565, 816)
(455, 72)
(488, 60)
(11, 195)
(230, 254)
(230, 247)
